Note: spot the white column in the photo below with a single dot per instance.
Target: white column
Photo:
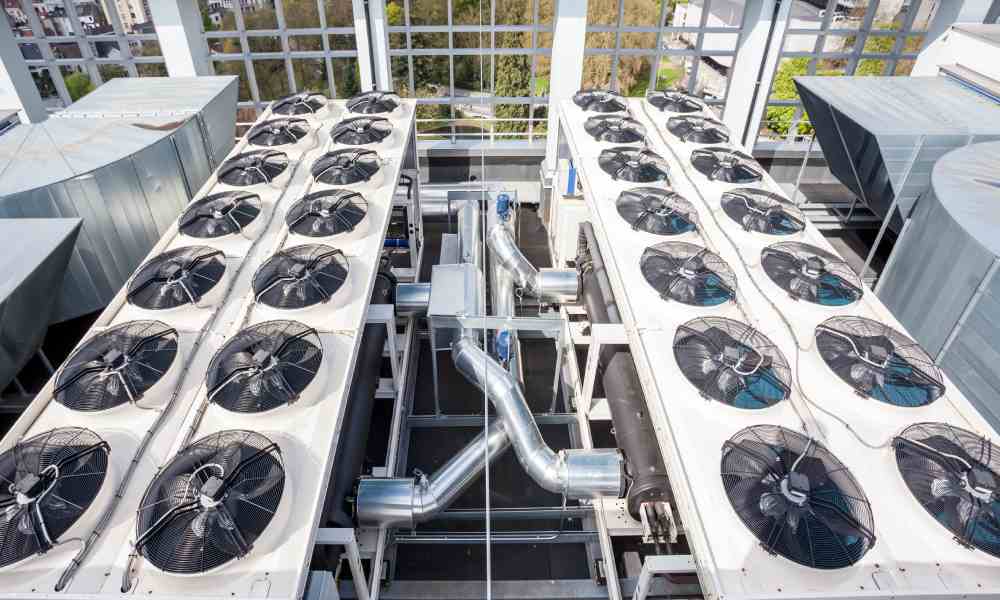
(179, 29)
(17, 89)
(363, 43)
(568, 42)
(754, 68)
(933, 51)
(373, 50)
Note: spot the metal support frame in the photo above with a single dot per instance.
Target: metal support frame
(342, 536)
(672, 564)
(17, 88)
(386, 315)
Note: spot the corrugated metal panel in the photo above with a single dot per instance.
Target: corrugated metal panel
(194, 155)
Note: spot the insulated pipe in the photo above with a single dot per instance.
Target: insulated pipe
(572, 472)
(552, 285)
(629, 416)
(405, 502)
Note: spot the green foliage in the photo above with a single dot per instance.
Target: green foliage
(78, 85)
(779, 118)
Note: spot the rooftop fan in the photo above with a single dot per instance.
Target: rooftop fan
(675, 102)
(878, 361)
(264, 366)
(724, 164)
(253, 167)
(178, 277)
(48, 482)
(616, 129)
(361, 130)
(278, 132)
(955, 475)
(796, 497)
(301, 276)
(220, 214)
(635, 165)
(326, 213)
(303, 103)
(116, 366)
(210, 503)
(346, 167)
(810, 273)
(698, 130)
(602, 101)
(373, 102)
(656, 210)
(732, 362)
(762, 211)
(688, 273)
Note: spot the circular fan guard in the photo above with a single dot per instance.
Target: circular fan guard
(373, 102)
(955, 475)
(879, 362)
(603, 101)
(615, 129)
(116, 366)
(279, 132)
(346, 167)
(810, 273)
(698, 130)
(657, 211)
(326, 213)
(724, 164)
(210, 503)
(220, 214)
(732, 363)
(264, 366)
(361, 130)
(304, 103)
(47, 483)
(675, 102)
(178, 277)
(796, 498)
(762, 211)
(252, 168)
(300, 277)
(633, 164)
(688, 273)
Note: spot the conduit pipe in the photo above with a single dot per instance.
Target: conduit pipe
(550, 285)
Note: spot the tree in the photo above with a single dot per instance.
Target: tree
(513, 73)
(78, 85)
(779, 118)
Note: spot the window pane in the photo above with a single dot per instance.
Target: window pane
(596, 71)
(264, 43)
(272, 79)
(429, 12)
(299, 43)
(339, 13)
(264, 17)
(235, 67)
(641, 13)
(430, 76)
(602, 13)
(514, 12)
(347, 77)
(633, 75)
(310, 75)
(401, 75)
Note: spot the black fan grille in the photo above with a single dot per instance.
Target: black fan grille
(615, 129)
(797, 498)
(657, 211)
(254, 167)
(211, 503)
(47, 483)
(634, 165)
(373, 102)
(698, 130)
(279, 132)
(304, 103)
(879, 362)
(264, 367)
(688, 273)
(346, 167)
(732, 363)
(116, 366)
(361, 130)
(602, 101)
(220, 214)
(178, 277)
(810, 273)
(955, 475)
(763, 212)
(301, 276)
(675, 102)
(326, 213)
(724, 164)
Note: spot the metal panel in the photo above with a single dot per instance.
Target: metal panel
(163, 183)
(193, 155)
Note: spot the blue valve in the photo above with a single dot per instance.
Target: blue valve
(503, 207)
(501, 344)
(396, 243)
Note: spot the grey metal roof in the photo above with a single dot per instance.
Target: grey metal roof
(966, 182)
(152, 96)
(27, 243)
(988, 32)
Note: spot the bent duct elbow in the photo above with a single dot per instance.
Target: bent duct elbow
(574, 473)
(551, 285)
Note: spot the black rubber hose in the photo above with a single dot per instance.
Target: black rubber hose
(633, 427)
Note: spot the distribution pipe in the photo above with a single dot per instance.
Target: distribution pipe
(551, 285)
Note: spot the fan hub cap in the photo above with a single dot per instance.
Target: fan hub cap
(212, 492)
(795, 488)
(174, 272)
(28, 488)
(813, 266)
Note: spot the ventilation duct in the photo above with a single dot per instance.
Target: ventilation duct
(550, 285)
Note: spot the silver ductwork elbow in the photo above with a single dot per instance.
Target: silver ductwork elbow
(405, 502)
(574, 473)
(551, 285)
(412, 298)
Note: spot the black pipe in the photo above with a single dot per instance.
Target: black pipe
(353, 442)
(633, 427)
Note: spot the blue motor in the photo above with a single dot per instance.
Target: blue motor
(501, 345)
(503, 207)
(396, 243)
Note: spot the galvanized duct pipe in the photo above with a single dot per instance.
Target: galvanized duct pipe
(551, 285)
(405, 502)
(575, 473)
